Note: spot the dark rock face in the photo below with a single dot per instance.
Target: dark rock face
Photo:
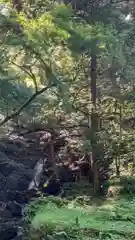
(15, 209)
(19, 154)
(18, 237)
(17, 196)
(53, 187)
(64, 174)
(6, 169)
(15, 174)
(13, 177)
(8, 233)
(4, 212)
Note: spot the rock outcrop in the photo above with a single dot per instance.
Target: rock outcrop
(19, 154)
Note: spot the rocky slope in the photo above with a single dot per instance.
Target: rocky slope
(19, 154)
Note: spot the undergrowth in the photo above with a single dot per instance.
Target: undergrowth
(81, 218)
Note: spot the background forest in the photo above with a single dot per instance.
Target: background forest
(67, 99)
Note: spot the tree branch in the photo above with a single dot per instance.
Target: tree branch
(15, 114)
(29, 73)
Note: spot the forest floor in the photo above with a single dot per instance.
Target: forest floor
(82, 217)
(73, 215)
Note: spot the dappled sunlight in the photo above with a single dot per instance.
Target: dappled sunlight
(67, 104)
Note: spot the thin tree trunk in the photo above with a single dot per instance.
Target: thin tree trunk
(120, 135)
(116, 93)
(117, 167)
(17, 5)
(94, 124)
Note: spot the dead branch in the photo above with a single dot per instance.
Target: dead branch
(16, 113)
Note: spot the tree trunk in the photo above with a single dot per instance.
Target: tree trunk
(17, 5)
(117, 166)
(94, 124)
(119, 147)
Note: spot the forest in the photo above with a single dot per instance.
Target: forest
(67, 121)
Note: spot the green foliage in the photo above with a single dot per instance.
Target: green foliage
(113, 218)
(56, 28)
(74, 190)
(40, 204)
(50, 44)
(126, 184)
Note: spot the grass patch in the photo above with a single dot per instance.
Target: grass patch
(79, 216)
(114, 219)
(104, 218)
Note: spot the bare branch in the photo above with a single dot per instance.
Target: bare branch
(15, 114)
(34, 80)
(30, 73)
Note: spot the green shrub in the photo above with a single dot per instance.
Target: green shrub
(128, 184)
(53, 218)
(40, 204)
(72, 190)
(125, 184)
